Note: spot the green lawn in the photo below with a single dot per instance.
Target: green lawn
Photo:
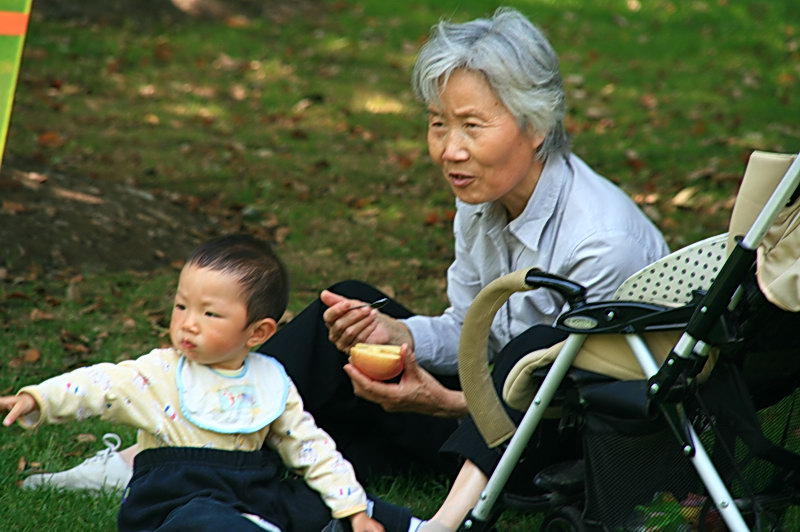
(301, 117)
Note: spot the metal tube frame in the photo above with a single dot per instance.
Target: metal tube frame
(698, 456)
(530, 421)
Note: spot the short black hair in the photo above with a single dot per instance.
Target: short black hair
(261, 273)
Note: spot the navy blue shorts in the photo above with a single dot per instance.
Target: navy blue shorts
(188, 488)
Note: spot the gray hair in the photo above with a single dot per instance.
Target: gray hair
(518, 62)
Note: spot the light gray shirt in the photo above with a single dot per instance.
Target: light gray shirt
(576, 224)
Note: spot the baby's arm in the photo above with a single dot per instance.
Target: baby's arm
(309, 451)
(17, 405)
(361, 522)
(115, 392)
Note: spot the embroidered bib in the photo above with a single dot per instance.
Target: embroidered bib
(244, 402)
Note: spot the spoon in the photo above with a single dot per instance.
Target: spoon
(378, 303)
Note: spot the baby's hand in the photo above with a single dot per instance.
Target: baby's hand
(17, 405)
(361, 522)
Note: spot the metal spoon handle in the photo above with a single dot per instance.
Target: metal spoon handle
(378, 303)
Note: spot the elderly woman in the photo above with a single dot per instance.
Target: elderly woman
(495, 128)
(496, 105)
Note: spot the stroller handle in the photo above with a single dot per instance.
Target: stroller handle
(574, 293)
(483, 401)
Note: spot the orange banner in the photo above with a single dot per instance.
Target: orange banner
(13, 23)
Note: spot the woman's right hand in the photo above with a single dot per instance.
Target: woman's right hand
(348, 327)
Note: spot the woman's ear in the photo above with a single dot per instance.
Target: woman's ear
(261, 330)
(537, 139)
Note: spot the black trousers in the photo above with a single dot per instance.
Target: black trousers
(377, 442)
(374, 441)
(194, 489)
(546, 446)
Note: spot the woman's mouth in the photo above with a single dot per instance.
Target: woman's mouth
(460, 180)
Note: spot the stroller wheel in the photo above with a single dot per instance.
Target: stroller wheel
(566, 518)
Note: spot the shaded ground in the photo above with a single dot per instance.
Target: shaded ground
(54, 221)
(148, 11)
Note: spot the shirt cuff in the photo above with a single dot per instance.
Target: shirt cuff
(435, 345)
(341, 514)
(34, 419)
(423, 343)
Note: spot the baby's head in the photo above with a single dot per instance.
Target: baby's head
(262, 277)
(231, 293)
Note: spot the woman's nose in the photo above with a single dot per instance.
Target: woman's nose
(454, 148)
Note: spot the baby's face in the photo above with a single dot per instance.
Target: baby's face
(209, 318)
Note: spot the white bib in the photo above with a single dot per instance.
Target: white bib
(233, 404)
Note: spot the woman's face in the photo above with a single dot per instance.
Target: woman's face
(475, 139)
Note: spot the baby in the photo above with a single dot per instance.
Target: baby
(205, 406)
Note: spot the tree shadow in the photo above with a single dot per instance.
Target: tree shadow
(149, 12)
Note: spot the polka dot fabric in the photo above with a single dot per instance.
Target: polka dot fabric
(671, 280)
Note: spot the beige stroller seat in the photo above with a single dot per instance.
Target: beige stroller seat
(640, 347)
(669, 281)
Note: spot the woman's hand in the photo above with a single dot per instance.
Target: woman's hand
(361, 522)
(18, 406)
(418, 391)
(348, 326)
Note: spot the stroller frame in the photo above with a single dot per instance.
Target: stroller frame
(665, 381)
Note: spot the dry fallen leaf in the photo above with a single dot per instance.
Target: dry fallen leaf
(281, 233)
(90, 308)
(431, 218)
(51, 139)
(39, 315)
(77, 196)
(632, 159)
(13, 207)
(649, 101)
(237, 21)
(238, 92)
(86, 438)
(75, 348)
(685, 197)
(32, 355)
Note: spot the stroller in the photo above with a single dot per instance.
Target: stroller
(683, 388)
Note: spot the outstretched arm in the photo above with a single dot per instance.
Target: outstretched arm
(18, 406)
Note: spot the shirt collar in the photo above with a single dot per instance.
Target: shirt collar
(529, 225)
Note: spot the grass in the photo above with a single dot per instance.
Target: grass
(303, 118)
